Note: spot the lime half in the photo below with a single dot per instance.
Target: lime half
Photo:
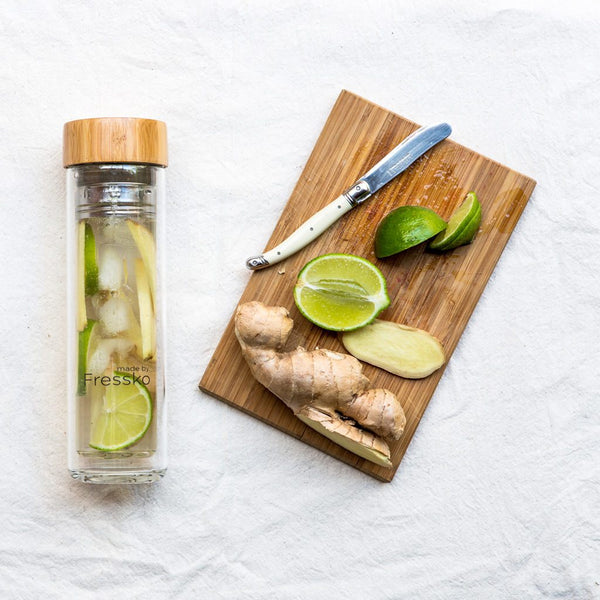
(462, 226)
(340, 292)
(122, 415)
(406, 227)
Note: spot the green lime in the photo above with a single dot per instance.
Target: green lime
(122, 415)
(90, 261)
(462, 226)
(405, 227)
(340, 292)
(84, 342)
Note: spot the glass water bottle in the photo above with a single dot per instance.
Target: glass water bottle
(116, 363)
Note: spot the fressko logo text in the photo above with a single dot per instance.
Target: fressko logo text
(106, 380)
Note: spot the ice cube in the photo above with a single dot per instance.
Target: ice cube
(121, 346)
(115, 230)
(100, 358)
(116, 315)
(110, 268)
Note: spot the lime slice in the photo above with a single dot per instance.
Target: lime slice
(122, 416)
(90, 261)
(340, 292)
(462, 226)
(405, 227)
(84, 343)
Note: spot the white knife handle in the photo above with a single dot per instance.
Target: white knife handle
(305, 234)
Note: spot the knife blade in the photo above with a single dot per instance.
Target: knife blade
(391, 165)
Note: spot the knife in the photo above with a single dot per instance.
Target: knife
(392, 164)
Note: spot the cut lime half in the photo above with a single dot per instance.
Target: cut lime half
(462, 226)
(340, 292)
(121, 415)
(405, 227)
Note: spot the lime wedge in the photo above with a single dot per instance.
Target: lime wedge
(462, 226)
(122, 416)
(81, 307)
(84, 342)
(406, 227)
(90, 261)
(340, 292)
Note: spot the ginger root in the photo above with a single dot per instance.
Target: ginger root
(324, 389)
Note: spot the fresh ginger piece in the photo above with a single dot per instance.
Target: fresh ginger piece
(147, 320)
(147, 249)
(325, 389)
(377, 410)
(401, 350)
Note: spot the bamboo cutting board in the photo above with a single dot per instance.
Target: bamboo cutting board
(429, 291)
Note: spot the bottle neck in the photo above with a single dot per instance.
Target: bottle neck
(117, 190)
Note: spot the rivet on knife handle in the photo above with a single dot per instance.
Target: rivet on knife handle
(396, 161)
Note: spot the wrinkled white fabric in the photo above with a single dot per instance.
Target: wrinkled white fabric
(498, 495)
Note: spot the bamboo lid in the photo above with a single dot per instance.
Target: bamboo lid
(115, 140)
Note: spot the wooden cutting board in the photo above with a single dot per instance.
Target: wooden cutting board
(429, 291)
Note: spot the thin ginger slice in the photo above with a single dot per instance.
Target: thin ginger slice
(399, 349)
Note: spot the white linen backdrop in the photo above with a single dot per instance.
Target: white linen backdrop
(498, 495)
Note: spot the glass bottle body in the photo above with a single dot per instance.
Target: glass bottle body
(116, 362)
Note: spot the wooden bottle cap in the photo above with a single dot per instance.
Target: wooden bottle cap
(115, 140)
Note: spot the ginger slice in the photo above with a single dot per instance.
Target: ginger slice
(359, 441)
(399, 349)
